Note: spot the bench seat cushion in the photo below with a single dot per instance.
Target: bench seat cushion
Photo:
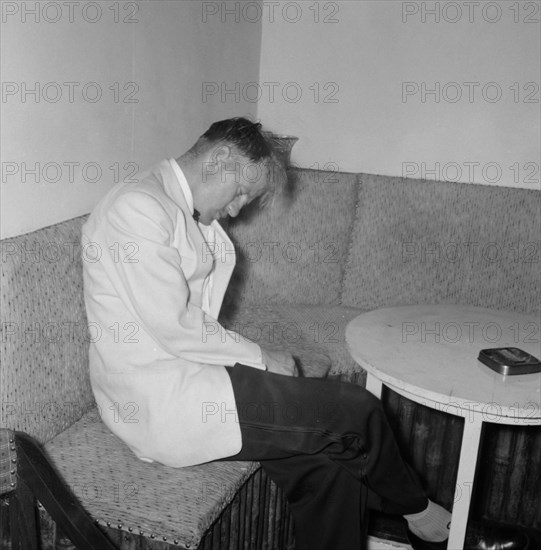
(148, 499)
(313, 333)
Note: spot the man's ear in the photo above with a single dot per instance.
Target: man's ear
(221, 153)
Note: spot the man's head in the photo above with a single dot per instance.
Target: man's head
(229, 166)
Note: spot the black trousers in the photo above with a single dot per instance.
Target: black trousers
(328, 445)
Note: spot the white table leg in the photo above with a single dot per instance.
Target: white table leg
(464, 482)
(373, 385)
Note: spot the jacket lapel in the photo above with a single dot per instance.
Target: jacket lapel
(222, 250)
(224, 262)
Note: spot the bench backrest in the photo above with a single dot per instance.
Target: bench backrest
(295, 250)
(44, 340)
(433, 242)
(374, 241)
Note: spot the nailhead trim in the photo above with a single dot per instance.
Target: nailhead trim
(120, 525)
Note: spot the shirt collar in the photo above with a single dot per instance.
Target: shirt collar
(187, 192)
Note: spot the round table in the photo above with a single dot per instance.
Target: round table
(428, 353)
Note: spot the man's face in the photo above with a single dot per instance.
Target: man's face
(229, 184)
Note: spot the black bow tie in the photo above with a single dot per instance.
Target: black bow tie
(196, 215)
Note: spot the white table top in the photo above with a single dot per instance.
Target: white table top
(430, 352)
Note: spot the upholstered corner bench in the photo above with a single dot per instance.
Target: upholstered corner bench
(339, 245)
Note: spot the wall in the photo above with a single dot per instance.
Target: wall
(349, 78)
(64, 146)
(373, 64)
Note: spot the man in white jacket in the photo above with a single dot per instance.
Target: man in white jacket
(181, 390)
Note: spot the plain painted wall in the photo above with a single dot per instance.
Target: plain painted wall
(345, 77)
(150, 61)
(372, 64)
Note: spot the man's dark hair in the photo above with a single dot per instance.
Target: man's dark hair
(247, 138)
(244, 134)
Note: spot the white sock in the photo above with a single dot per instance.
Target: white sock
(432, 524)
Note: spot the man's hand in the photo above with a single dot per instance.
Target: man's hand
(280, 362)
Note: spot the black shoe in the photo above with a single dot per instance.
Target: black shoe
(484, 535)
(480, 536)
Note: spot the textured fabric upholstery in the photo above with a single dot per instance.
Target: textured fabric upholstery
(148, 499)
(294, 250)
(44, 343)
(313, 333)
(274, 328)
(431, 242)
(346, 244)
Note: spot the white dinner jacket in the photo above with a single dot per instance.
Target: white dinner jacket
(156, 356)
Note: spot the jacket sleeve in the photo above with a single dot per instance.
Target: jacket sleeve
(155, 287)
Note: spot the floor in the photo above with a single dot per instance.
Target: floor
(375, 543)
